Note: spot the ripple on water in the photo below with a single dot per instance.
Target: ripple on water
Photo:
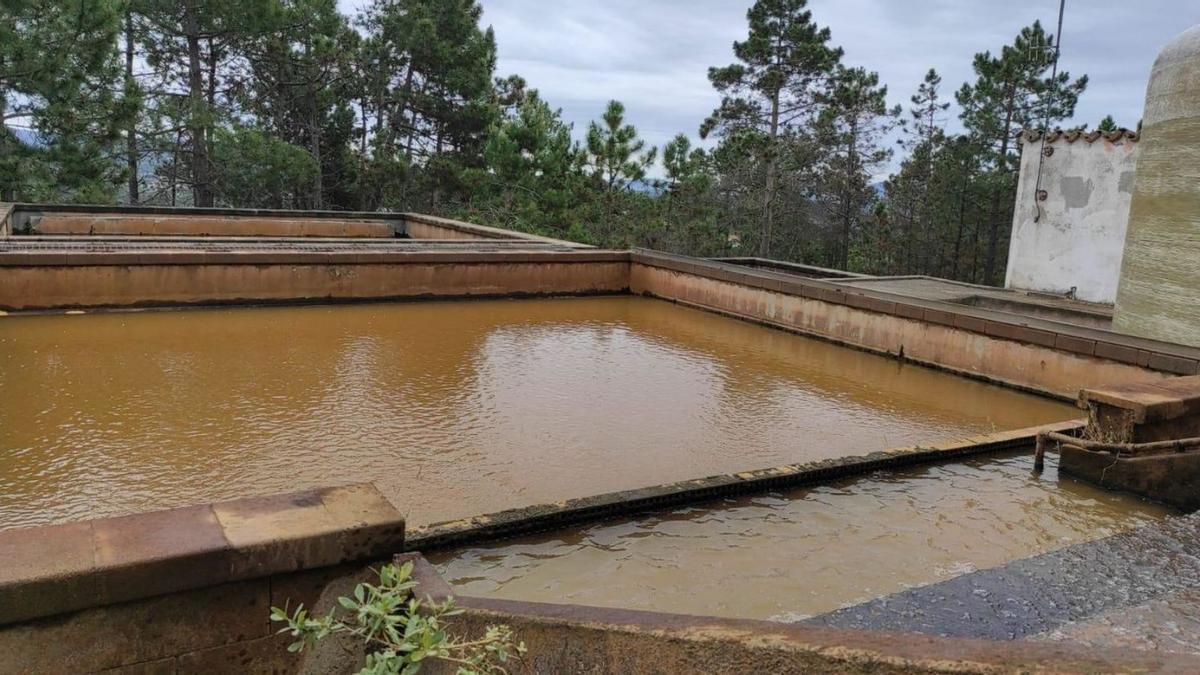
(788, 556)
(490, 404)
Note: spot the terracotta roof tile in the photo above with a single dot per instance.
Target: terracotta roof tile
(1035, 135)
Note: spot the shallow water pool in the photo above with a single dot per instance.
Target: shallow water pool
(790, 555)
(452, 408)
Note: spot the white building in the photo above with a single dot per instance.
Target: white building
(1068, 233)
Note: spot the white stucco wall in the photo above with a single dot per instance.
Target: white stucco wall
(1080, 238)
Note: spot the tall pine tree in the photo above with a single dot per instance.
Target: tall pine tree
(1013, 91)
(782, 67)
(617, 158)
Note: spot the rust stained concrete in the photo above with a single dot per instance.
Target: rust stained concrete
(51, 286)
(423, 226)
(1010, 362)
(1169, 478)
(423, 230)
(58, 569)
(210, 225)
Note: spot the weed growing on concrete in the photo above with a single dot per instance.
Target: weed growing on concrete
(401, 631)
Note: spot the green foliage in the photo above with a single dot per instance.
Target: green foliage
(256, 170)
(769, 96)
(534, 169)
(781, 68)
(303, 70)
(60, 77)
(401, 632)
(617, 158)
(852, 124)
(426, 95)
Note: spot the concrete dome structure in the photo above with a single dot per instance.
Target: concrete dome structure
(1159, 291)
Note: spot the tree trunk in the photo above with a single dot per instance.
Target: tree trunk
(314, 132)
(131, 133)
(764, 244)
(8, 190)
(989, 265)
(847, 197)
(318, 198)
(201, 180)
(962, 214)
(175, 169)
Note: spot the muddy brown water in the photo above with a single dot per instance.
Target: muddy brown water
(790, 555)
(452, 408)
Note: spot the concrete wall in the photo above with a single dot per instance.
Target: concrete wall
(130, 279)
(185, 590)
(124, 221)
(972, 342)
(1079, 239)
(1160, 275)
(69, 223)
(50, 219)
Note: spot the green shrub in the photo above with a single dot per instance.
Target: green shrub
(401, 632)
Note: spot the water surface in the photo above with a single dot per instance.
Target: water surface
(452, 408)
(790, 555)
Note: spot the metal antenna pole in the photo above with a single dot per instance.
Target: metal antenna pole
(1037, 191)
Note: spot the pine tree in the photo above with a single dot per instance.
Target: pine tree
(428, 71)
(1108, 124)
(258, 170)
(60, 78)
(689, 213)
(197, 52)
(853, 123)
(1013, 91)
(302, 72)
(535, 169)
(924, 135)
(617, 158)
(782, 66)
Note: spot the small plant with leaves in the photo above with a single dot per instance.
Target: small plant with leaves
(401, 631)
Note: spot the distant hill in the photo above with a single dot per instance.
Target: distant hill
(646, 187)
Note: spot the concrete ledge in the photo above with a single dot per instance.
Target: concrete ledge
(422, 226)
(1150, 401)
(204, 224)
(198, 279)
(793, 268)
(65, 568)
(1166, 357)
(579, 638)
(1099, 346)
(543, 517)
(298, 257)
(35, 207)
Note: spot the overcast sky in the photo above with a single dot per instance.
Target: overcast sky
(654, 55)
